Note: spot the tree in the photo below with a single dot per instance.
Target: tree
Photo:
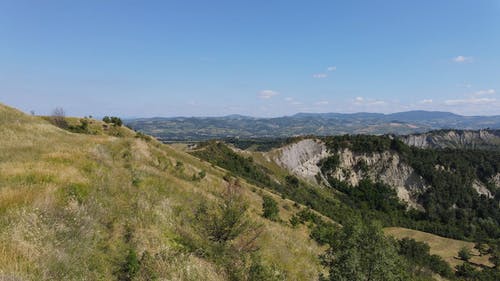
(227, 220)
(465, 271)
(106, 119)
(270, 208)
(59, 118)
(361, 252)
(464, 254)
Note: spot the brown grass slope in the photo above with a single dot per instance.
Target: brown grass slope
(72, 205)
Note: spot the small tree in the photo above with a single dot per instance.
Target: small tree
(59, 118)
(228, 219)
(270, 208)
(464, 254)
(116, 121)
(106, 119)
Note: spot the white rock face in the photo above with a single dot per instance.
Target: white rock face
(453, 139)
(301, 158)
(495, 180)
(384, 167)
(480, 188)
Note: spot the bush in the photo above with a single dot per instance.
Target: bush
(270, 208)
(112, 120)
(130, 267)
(58, 118)
(464, 254)
(226, 220)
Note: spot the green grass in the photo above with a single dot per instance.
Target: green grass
(444, 247)
(72, 206)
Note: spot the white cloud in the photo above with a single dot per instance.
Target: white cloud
(331, 68)
(472, 100)
(485, 92)
(288, 99)
(320, 75)
(267, 94)
(463, 59)
(323, 102)
(367, 101)
(426, 101)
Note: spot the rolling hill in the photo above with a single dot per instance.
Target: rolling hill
(98, 201)
(320, 124)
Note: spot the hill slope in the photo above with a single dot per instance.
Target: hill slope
(98, 207)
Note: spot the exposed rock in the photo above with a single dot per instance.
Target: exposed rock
(480, 188)
(489, 139)
(495, 180)
(301, 158)
(384, 167)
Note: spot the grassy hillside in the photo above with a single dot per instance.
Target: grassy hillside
(101, 207)
(445, 247)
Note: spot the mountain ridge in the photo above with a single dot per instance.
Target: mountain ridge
(321, 124)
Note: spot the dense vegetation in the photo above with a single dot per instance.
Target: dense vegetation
(374, 201)
(452, 207)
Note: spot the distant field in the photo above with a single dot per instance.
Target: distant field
(444, 247)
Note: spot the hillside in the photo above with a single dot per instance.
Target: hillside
(100, 207)
(102, 202)
(319, 124)
(458, 139)
(379, 179)
(442, 184)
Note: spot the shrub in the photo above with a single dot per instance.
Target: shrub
(58, 118)
(130, 267)
(270, 208)
(464, 254)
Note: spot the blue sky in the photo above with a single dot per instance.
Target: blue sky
(258, 58)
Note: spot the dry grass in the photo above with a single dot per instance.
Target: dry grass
(71, 205)
(444, 247)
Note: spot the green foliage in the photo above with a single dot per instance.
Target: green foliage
(112, 120)
(452, 207)
(270, 208)
(227, 220)
(77, 191)
(418, 256)
(361, 251)
(130, 267)
(222, 156)
(329, 164)
(464, 254)
(466, 271)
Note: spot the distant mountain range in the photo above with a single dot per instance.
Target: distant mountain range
(238, 126)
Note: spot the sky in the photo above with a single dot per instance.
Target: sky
(258, 58)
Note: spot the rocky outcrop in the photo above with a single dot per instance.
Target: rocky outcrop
(301, 158)
(385, 167)
(481, 189)
(495, 180)
(488, 139)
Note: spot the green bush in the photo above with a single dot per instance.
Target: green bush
(270, 208)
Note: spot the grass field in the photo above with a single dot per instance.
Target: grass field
(445, 247)
(73, 205)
